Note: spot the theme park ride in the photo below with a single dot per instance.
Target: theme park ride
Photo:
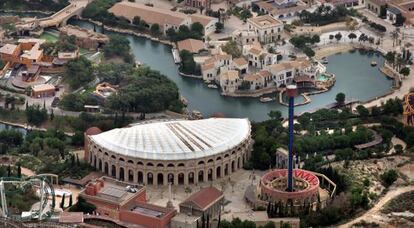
(291, 190)
(40, 185)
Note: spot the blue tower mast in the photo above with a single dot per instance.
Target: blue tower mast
(291, 92)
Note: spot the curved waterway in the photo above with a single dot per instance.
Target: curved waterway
(355, 77)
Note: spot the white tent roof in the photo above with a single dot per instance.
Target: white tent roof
(175, 140)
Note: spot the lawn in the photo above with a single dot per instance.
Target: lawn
(49, 37)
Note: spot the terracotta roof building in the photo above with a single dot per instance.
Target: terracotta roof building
(165, 18)
(191, 45)
(207, 201)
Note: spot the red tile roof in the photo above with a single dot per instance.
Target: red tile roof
(204, 197)
(93, 131)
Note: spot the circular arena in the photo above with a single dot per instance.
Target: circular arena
(180, 152)
(273, 186)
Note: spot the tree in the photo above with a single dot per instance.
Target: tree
(118, 46)
(309, 52)
(375, 111)
(155, 29)
(316, 39)
(340, 98)
(219, 27)
(70, 201)
(338, 36)
(79, 72)
(362, 111)
(389, 177)
(188, 65)
(352, 36)
(405, 71)
(62, 203)
(19, 171)
(136, 20)
(232, 49)
(275, 115)
(197, 28)
(35, 115)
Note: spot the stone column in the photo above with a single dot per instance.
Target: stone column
(165, 176)
(144, 176)
(176, 178)
(116, 171)
(186, 177)
(135, 175)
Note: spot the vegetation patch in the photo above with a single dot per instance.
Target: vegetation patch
(401, 203)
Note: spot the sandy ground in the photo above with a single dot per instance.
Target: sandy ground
(234, 194)
(374, 214)
(331, 50)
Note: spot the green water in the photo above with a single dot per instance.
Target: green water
(354, 76)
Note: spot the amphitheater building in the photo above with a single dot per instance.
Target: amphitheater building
(180, 152)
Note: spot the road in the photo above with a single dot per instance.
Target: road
(373, 214)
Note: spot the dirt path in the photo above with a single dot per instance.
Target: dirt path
(27, 172)
(373, 215)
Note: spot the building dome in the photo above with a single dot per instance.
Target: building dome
(177, 151)
(93, 131)
(175, 140)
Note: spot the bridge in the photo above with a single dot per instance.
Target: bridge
(58, 19)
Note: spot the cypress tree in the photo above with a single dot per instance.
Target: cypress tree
(19, 171)
(208, 220)
(70, 201)
(77, 160)
(62, 203)
(8, 171)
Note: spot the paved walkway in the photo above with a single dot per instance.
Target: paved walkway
(374, 214)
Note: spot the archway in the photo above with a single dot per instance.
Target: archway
(226, 170)
(160, 179)
(150, 178)
(130, 176)
(100, 165)
(181, 178)
(238, 163)
(201, 176)
(191, 178)
(106, 171)
(218, 172)
(171, 178)
(140, 177)
(113, 171)
(121, 174)
(232, 166)
(210, 175)
(94, 161)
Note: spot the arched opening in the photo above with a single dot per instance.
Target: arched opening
(226, 170)
(160, 165)
(238, 163)
(113, 157)
(170, 165)
(106, 168)
(227, 155)
(210, 161)
(191, 178)
(218, 159)
(181, 178)
(94, 161)
(150, 179)
(181, 165)
(200, 176)
(232, 166)
(113, 171)
(171, 178)
(121, 174)
(100, 165)
(140, 177)
(130, 162)
(130, 176)
(121, 159)
(160, 179)
(150, 164)
(201, 163)
(218, 172)
(210, 175)
(140, 163)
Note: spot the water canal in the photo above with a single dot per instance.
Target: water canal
(355, 77)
